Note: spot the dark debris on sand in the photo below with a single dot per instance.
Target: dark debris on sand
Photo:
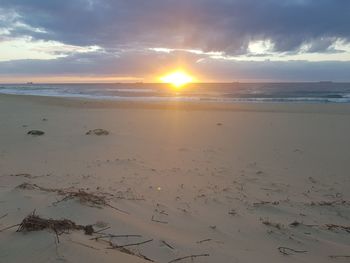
(34, 222)
(97, 132)
(97, 200)
(36, 133)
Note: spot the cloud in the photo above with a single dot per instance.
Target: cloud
(146, 65)
(209, 25)
(209, 37)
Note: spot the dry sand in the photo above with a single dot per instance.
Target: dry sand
(216, 179)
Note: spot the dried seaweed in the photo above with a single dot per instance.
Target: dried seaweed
(33, 222)
(336, 227)
(91, 199)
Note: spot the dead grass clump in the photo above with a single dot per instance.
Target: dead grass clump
(26, 186)
(84, 197)
(34, 222)
(90, 199)
(337, 227)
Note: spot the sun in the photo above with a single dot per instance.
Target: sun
(177, 79)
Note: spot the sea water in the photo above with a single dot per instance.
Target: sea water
(311, 92)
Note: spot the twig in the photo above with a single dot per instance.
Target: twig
(204, 240)
(103, 229)
(125, 212)
(109, 235)
(339, 256)
(169, 246)
(9, 227)
(5, 215)
(133, 244)
(158, 221)
(58, 239)
(191, 257)
(82, 244)
(284, 250)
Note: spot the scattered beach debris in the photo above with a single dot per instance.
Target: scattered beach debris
(97, 132)
(36, 133)
(337, 227)
(84, 198)
(232, 212)
(34, 222)
(137, 254)
(312, 180)
(123, 249)
(22, 175)
(191, 257)
(167, 244)
(219, 124)
(28, 175)
(158, 221)
(92, 199)
(266, 203)
(330, 203)
(3, 216)
(295, 224)
(111, 235)
(26, 186)
(204, 240)
(272, 224)
(289, 251)
(330, 227)
(44, 119)
(131, 244)
(339, 256)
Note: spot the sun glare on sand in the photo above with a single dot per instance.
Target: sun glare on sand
(178, 79)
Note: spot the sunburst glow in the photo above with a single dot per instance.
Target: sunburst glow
(177, 79)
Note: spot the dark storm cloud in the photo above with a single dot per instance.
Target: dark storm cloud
(211, 25)
(135, 63)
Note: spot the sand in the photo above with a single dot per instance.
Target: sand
(219, 180)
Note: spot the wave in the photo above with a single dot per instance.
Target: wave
(212, 94)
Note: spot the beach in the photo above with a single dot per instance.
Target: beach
(202, 181)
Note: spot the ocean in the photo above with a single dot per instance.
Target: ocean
(311, 92)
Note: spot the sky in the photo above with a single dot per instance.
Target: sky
(139, 40)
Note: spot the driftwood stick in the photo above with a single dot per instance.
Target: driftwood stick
(339, 256)
(103, 229)
(9, 227)
(5, 215)
(82, 244)
(109, 235)
(191, 257)
(158, 221)
(167, 244)
(116, 208)
(204, 240)
(284, 250)
(133, 244)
